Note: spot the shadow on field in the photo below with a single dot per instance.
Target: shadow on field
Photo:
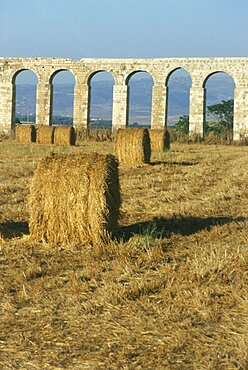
(156, 228)
(162, 227)
(183, 163)
(13, 229)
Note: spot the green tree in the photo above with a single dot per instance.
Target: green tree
(182, 126)
(224, 115)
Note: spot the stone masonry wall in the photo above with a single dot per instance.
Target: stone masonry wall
(160, 69)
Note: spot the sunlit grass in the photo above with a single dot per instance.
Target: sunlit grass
(170, 290)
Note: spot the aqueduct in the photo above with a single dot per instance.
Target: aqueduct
(160, 69)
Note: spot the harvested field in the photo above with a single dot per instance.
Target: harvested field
(170, 292)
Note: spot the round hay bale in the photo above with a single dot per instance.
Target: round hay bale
(45, 135)
(64, 135)
(160, 139)
(25, 134)
(74, 199)
(132, 146)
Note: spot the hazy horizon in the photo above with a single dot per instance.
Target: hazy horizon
(219, 87)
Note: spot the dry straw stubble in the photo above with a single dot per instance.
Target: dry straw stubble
(64, 135)
(132, 146)
(75, 199)
(25, 134)
(45, 135)
(181, 293)
(160, 140)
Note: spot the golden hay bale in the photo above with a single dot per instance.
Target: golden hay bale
(64, 135)
(45, 135)
(160, 139)
(25, 134)
(74, 199)
(132, 146)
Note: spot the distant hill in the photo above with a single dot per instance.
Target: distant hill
(140, 97)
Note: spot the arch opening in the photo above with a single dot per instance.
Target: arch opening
(218, 107)
(24, 97)
(178, 94)
(140, 84)
(62, 98)
(100, 106)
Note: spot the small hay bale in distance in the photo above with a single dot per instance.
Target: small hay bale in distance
(64, 135)
(25, 134)
(132, 146)
(45, 135)
(74, 199)
(160, 139)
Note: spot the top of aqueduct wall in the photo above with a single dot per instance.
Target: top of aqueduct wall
(160, 69)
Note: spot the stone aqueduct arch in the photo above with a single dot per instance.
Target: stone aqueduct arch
(199, 70)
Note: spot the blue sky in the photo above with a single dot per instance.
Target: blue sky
(123, 28)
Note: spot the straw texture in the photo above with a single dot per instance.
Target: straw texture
(160, 140)
(74, 199)
(45, 135)
(25, 134)
(132, 146)
(64, 135)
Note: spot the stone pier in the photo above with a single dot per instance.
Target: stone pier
(159, 69)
